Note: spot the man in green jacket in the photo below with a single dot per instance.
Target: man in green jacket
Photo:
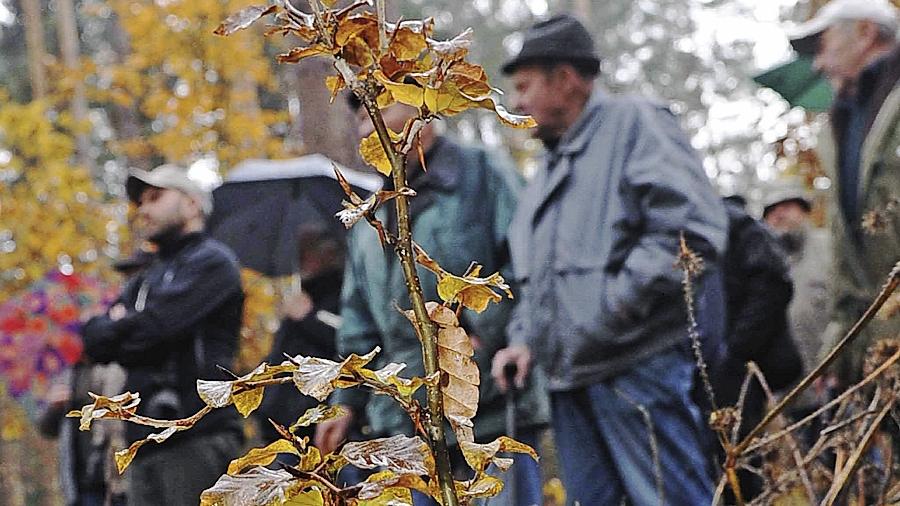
(464, 203)
(855, 47)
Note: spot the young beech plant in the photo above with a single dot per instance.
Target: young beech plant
(382, 64)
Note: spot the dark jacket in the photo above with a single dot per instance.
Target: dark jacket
(595, 238)
(309, 337)
(758, 292)
(183, 320)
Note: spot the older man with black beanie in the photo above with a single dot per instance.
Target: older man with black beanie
(593, 244)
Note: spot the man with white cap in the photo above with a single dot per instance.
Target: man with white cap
(174, 323)
(855, 46)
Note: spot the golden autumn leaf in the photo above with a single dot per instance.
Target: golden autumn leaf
(401, 454)
(387, 488)
(409, 94)
(261, 456)
(372, 152)
(387, 377)
(335, 84)
(407, 43)
(469, 290)
(247, 402)
(298, 53)
(124, 457)
(218, 394)
(480, 456)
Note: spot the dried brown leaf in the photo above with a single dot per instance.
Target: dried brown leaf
(401, 454)
(318, 414)
(118, 407)
(318, 377)
(259, 486)
(298, 53)
(243, 19)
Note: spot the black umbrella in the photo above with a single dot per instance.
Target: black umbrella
(264, 203)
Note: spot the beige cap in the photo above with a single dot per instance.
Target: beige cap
(169, 177)
(804, 37)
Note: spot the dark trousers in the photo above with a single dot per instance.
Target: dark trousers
(177, 472)
(606, 444)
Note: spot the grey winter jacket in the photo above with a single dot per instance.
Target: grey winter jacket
(595, 237)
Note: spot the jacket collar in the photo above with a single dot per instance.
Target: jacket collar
(170, 248)
(577, 136)
(573, 142)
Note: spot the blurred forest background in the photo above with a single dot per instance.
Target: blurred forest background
(89, 88)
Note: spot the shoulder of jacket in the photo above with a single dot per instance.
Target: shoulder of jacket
(212, 251)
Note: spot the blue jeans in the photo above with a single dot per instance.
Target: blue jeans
(605, 444)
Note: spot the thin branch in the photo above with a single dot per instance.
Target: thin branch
(883, 296)
(853, 461)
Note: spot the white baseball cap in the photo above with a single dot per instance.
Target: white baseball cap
(170, 177)
(804, 37)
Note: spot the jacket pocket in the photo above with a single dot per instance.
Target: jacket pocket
(581, 294)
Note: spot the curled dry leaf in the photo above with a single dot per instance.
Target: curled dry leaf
(244, 18)
(318, 377)
(120, 407)
(459, 372)
(219, 394)
(259, 486)
(469, 290)
(400, 454)
(480, 456)
(318, 414)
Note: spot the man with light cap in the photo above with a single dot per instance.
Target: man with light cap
(174, 323)
(854, 43)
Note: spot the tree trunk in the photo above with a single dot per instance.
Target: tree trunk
(34, 41)
(69, 47)
(322, 127)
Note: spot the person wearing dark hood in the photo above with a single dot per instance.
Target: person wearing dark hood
(177, 322)
(308, 327)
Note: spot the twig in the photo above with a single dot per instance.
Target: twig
(855, 457)
(883, 296)
(423, 326)
(846, 394)
(654, 446)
